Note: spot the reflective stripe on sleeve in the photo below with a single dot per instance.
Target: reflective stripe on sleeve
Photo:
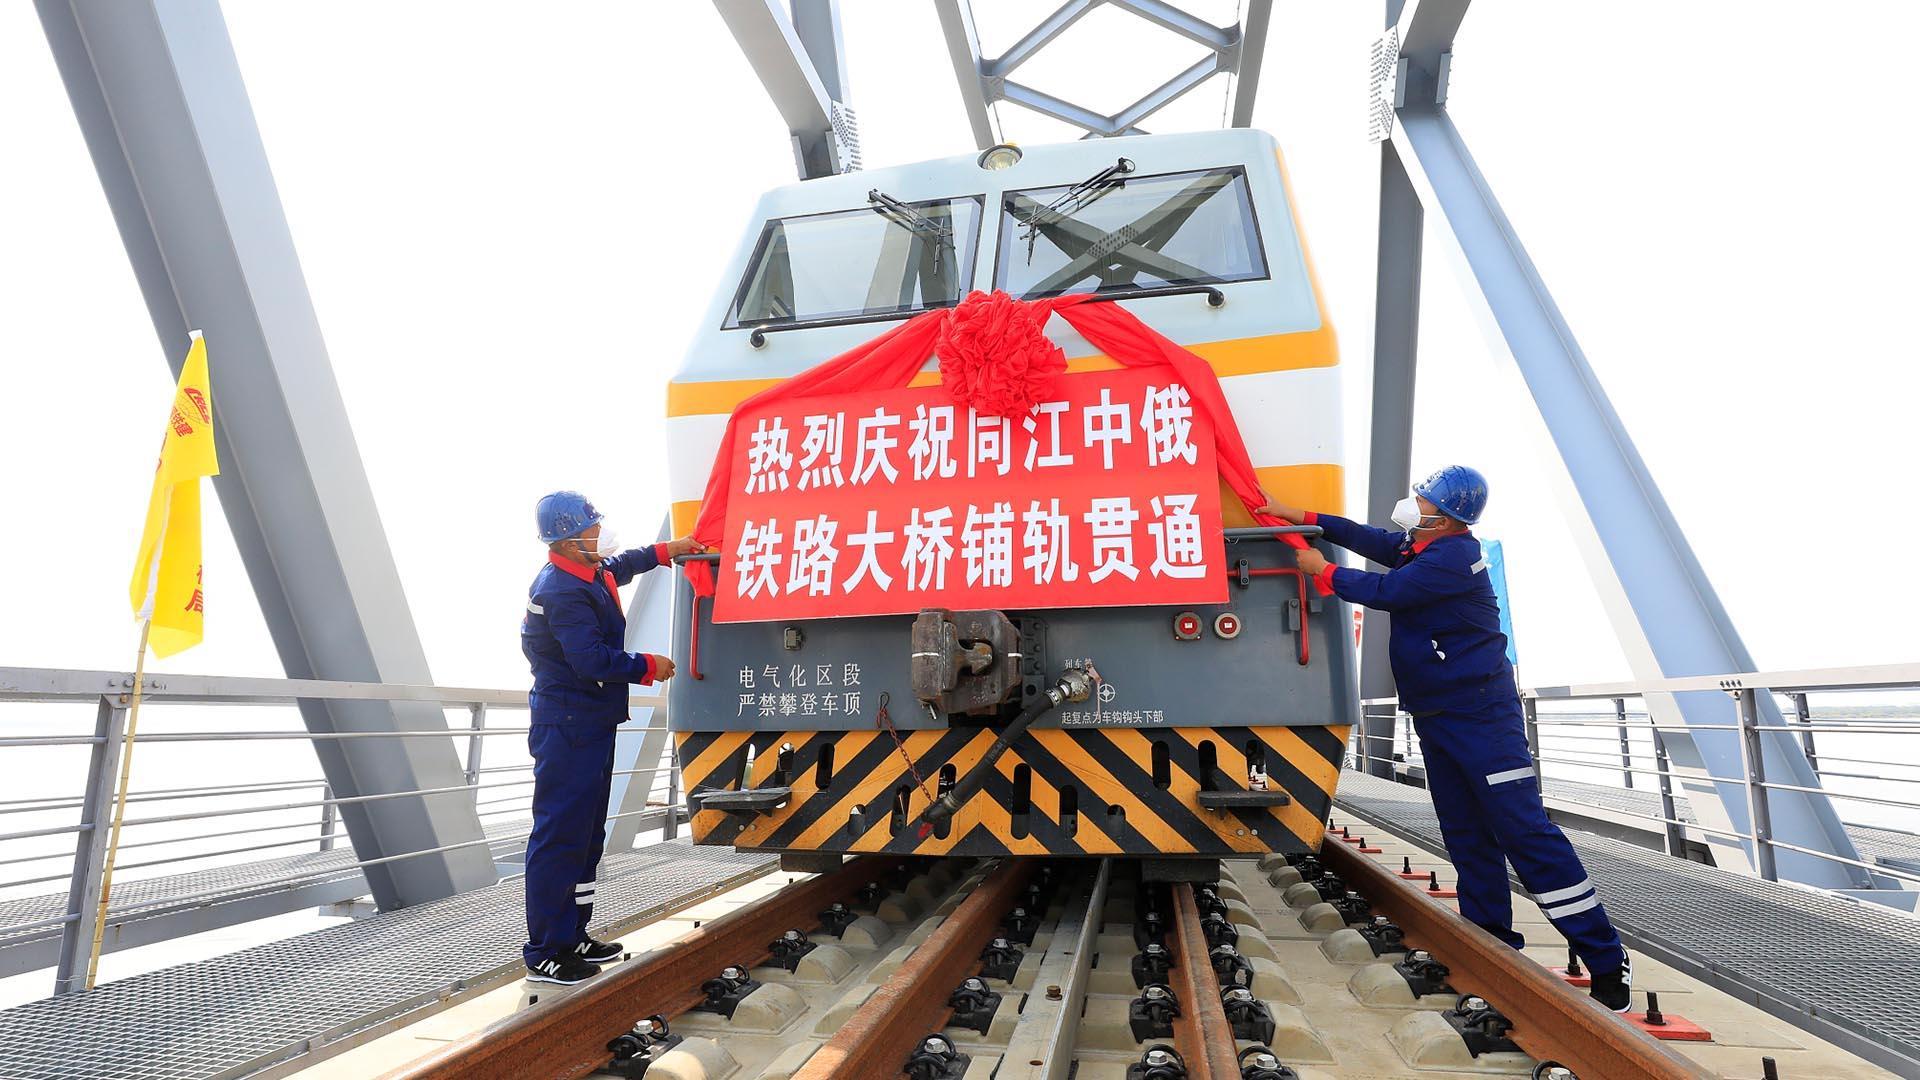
(536, 608)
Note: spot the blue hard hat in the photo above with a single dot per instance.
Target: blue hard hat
(1459, 492)
(564, 514)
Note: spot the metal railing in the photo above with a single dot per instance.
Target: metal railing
(1612, 748)
(111, 694)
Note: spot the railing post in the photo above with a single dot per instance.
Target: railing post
(1626, 748)
(1663, 766)
(672, 828)
(1805, 715)
(475, 742)
(327, 812)
(90, 848)
(1759, 815)
(1532, 710)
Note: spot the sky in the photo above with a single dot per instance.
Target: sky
(510, 225)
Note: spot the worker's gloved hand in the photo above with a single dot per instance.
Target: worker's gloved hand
(1310, 561)
(1292, 515)
(662, 667)
(686, 545)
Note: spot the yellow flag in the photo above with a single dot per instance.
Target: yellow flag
(166, 577)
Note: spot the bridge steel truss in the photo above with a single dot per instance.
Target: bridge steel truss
(165, 115)
(1669, 619)
(1236, 49)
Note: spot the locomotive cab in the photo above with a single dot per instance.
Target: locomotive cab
(1209, 729)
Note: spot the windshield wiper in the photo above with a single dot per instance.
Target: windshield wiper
(913, 221)
(1076, 198)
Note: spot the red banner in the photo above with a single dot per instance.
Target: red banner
(889, 502)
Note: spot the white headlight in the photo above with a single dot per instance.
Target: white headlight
(1003, 156)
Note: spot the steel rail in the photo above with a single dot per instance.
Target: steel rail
(877, 1039)
(1200, 1033)
(1551, 1020)
(568, 1036)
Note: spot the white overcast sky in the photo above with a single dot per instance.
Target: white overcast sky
(511, 216)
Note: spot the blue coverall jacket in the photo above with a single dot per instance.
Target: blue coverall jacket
(1450, 665)
(1445, 642)
(574, 635)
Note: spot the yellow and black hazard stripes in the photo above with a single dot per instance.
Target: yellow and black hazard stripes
(1057, 791)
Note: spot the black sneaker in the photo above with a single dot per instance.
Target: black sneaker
(1614, 990)
(565, 970)
(599, 952)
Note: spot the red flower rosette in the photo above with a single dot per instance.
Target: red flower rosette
(995, 356)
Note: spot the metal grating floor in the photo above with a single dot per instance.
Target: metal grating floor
(252, 886)
(1846, 971)
(265, 1006)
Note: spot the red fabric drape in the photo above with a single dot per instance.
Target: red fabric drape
(891, 360)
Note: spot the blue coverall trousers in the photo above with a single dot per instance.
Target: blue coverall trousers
(1487, 798)
(572, 780)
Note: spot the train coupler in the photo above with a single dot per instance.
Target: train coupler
(638, 1049)
(1150, 1016)
(936, 1058)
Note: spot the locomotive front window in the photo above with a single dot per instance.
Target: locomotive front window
(1191, 228)
(886, 258)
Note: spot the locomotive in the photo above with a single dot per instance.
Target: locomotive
(1154, 714)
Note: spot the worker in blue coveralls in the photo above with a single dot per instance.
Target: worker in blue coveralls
(574, 635)
(1450, 663)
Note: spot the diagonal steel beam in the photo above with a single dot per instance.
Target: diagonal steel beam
(1186, 24)
(161, 103)
(963, 49)
(792, 76)
(984, 81)
(1037, 38)
(1166, 93)
(1665, 612)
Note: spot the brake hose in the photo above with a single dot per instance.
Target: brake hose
(1074, 685)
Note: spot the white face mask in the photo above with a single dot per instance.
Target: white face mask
(601, 548)
(1406, 513)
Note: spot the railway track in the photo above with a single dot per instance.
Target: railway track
(1030, 969)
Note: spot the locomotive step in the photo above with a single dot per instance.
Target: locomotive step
(1237, 799)
(751, 801)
